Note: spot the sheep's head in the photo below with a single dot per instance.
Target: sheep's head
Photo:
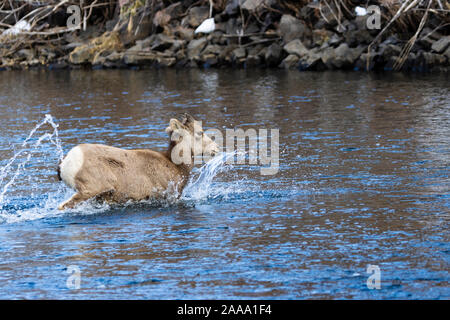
(190, 140)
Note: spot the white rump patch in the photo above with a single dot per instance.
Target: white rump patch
(71, 165)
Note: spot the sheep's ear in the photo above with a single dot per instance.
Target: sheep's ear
(187, 118)
(175, 124)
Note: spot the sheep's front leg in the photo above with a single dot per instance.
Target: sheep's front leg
(73, 201)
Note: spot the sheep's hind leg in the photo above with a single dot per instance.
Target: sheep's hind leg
(73, 201)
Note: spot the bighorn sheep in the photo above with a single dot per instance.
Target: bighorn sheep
(118, 175)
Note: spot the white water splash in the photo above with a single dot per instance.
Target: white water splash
(15, 169)
(200, 184)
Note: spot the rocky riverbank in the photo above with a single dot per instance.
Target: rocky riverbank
(303, 35)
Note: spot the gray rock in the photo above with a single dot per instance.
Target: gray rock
(239, 53)
(321, 36)
(430, 33)
(348, 25)
(261, 53)
(213, 49)
(232, 7)
(162, 42)
(426, 42)
(210, 60)
(389, 50)
(47, 53)
(196, 16)
(184, 33)
(252, 27)
(216, 37)
(335, 40)
(225, 54)
(141, 45)
(355, 37)
(114, 60)
(81, 54)
(361, 63)
(441, 45)
(447, 54)
(290, 62)
(426, 61)
(342, 57)
(26, 54)
(296, 47)
(311, 62)
(163, 17)
(360, 22)
(166, 61)
(410, 61)
(291, 28)
(253, 61)
(255, 50)
(177, 45)
(196, 46)
(134, 58)
(273, 55)
(253, 5)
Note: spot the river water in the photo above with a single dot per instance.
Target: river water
(363, 180)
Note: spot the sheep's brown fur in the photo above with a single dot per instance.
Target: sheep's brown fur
(118, 175)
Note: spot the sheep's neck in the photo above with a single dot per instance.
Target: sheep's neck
(185, 169)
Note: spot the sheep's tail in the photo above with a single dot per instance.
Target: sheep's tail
(58, 170)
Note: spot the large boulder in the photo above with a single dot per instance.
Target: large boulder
(254, 5)
(252, 61)
(139, 58)
(311, 61)
(290, 62)
(213, 49)
(291, 28)
(195, 47)
(356, 37)
(162, 42)
(163, 17)
(389, 50)
(239, 54)
(196, 16)
(342, 57)
(296, 47)
(441, 45)
(184, 33)
(427, 61)
(273, 55)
